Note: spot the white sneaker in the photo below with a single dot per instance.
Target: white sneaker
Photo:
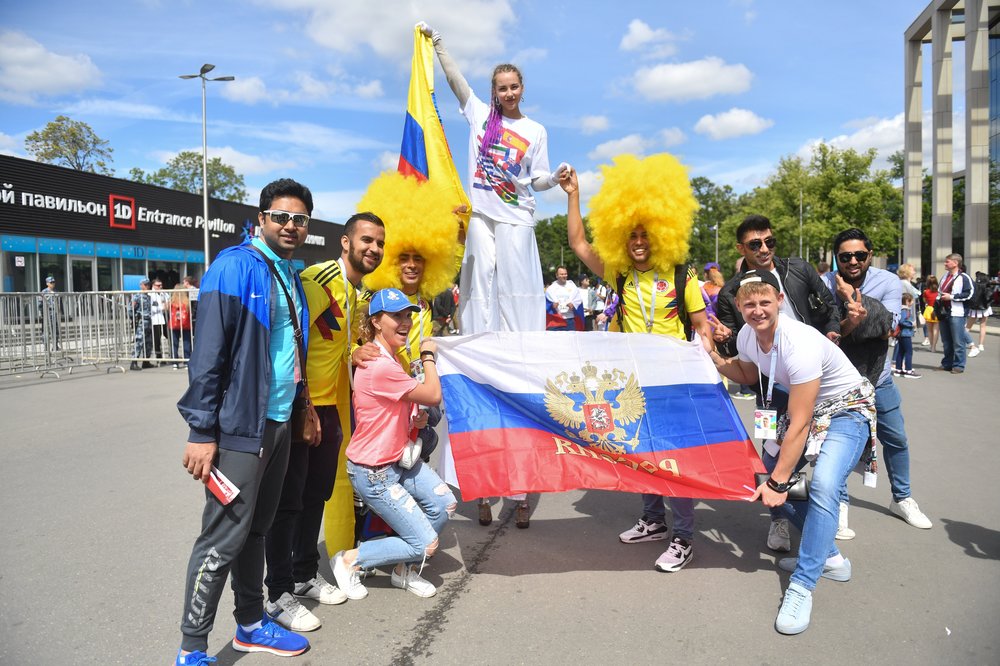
(411, 580)
(778, 538)
(974, 351)
(844, 533)
(908, 510)
(319, 590)
(348, 578)
(926, 342)
(643, 531)
(292, 615)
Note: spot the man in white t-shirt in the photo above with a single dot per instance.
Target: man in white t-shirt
(830, 418)
(564, 297)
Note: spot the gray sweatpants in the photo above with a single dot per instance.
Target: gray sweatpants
(232, 538)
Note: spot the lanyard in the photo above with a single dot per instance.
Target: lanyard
(347, 317)
(652, 299)
(770, 374)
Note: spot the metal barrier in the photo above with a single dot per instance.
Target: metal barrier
(51, 333)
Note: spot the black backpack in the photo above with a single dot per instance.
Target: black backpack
(981, 295)
(681, 276)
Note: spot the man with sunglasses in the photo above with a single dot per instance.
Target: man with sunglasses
(244, 372)
(870, 300)
(335, 297)
(806, 299)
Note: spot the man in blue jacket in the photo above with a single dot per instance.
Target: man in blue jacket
(245, 372)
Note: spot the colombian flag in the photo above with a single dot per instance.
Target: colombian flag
(537, 412)
(424, 153)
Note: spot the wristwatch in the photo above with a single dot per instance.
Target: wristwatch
(783, 487)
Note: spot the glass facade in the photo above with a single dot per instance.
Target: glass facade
(995, 92)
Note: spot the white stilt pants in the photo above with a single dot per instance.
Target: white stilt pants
(501, 285)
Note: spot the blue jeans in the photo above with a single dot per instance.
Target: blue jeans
(954, 339)
(904, 353)
(681, 507)
(817, 518)
(413, 502)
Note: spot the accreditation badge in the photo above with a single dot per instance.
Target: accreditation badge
(417, 370)
(765, 423)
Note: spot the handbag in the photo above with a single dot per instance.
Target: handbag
(411, 453)
(797, 493)
(942, 309)
(301, 423)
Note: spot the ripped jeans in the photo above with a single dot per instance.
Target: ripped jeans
(415, 503)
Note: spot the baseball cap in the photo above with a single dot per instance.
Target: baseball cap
(754, 275)
(146, 282)
(390, 300)
(49, 280)
(711, 264)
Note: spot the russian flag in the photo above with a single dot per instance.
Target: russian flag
(555, 320)
(538, 412)
(424, 153)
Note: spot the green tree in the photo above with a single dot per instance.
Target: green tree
(70, 143)
(183, 173)
(717, 203)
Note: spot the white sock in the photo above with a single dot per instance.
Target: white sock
(252, 627)
(835, 561)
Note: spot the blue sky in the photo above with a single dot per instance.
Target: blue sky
(729, 86)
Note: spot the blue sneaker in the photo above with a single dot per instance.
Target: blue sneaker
(270, 637)
(196, 658)
(793, 617)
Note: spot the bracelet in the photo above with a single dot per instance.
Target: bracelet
(426, 353)
(428, 360)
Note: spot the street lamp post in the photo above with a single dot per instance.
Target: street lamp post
(205, 69)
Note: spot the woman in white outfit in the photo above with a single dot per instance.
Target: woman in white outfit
(501, 285)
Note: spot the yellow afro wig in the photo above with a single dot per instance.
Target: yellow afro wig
(418, 218)
(655, 192)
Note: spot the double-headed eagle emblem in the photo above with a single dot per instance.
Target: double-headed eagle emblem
(597, 410)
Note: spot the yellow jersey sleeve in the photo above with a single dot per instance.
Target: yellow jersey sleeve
(323, 285)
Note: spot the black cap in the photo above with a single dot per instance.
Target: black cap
(767, 277)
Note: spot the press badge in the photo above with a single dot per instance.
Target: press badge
(765, 424)
(417, 370)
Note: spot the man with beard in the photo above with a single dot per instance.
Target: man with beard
(336, 299)
(870, 300)
(806, 300)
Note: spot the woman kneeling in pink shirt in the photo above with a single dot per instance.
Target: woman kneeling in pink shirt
(391, 479)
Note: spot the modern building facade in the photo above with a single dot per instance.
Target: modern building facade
(942, 23)
(97, 233)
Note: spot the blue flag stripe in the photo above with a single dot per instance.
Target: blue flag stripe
(683, 415)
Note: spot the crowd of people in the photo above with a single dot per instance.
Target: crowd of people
(286, 367)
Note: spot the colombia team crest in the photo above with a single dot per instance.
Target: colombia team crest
(602, 411)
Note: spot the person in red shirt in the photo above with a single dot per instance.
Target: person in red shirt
(384, 470)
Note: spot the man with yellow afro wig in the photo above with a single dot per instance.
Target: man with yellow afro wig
(640, 221)
(423, 248)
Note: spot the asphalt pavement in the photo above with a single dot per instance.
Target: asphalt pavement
(99, 517)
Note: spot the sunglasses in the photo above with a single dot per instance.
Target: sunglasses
(281, 217)
(860, 256)
(757, 243)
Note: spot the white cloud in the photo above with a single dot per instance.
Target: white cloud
(243, 163)
(331, 144)
(594, 124)
(637, 144)
(672, 136)
(9, 145)
(883, 134)
(698, 79)
(658, 43)
(388, 160)
(531, 54)
(119, 109)
(248, 90)
(475, 31)
(553, 201)
(28, 70)
(731, 124)
(336, 205)
(369, 90)
(633, 143)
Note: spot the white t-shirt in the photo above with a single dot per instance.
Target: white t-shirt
(786, 306)
(803, 354)
(566, 296)
(499, 184)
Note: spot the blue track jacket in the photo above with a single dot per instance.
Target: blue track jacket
(229, 369)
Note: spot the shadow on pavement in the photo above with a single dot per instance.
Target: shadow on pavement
(978, 541)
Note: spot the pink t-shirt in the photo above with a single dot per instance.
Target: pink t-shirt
(381, 417)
